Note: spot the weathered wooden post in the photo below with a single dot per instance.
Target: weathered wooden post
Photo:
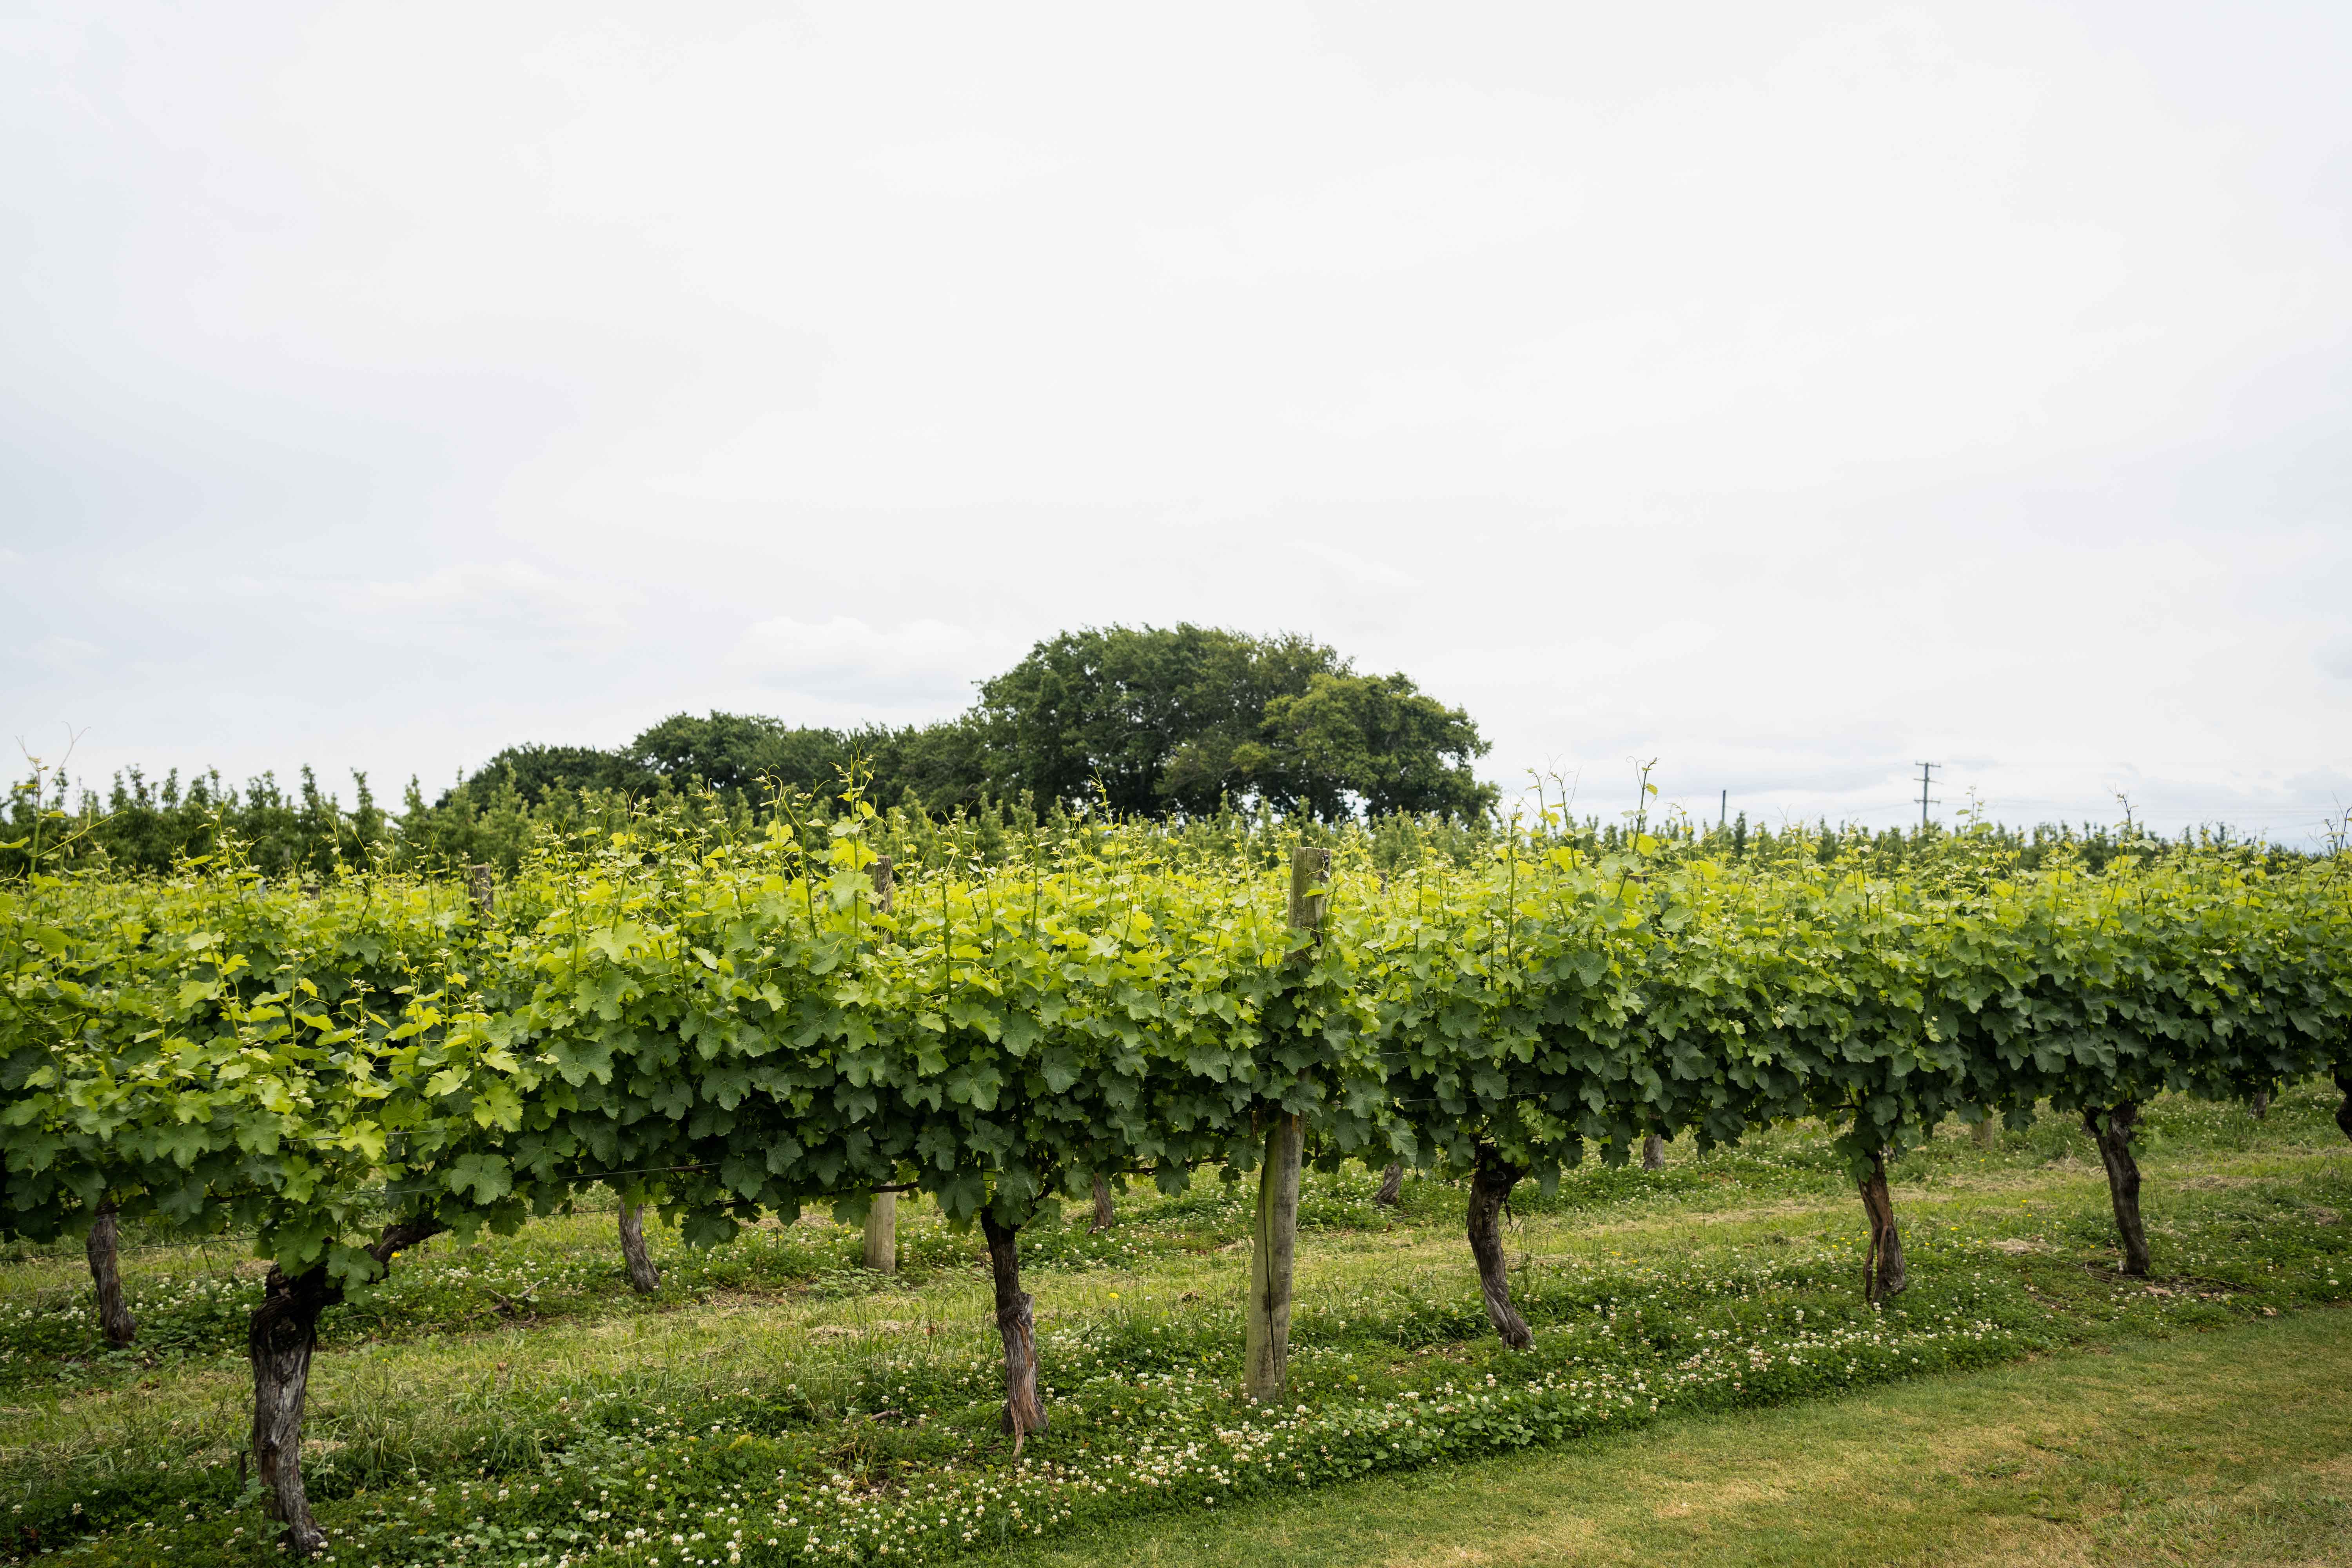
(643, 1277)
(482, 890)
(882, 1216)
(1391, 1190)
(1274, 1237)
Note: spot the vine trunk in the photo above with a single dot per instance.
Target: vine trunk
(283, 1333)
(643, 1277)
(2112, 1129)
(106, 1273)
(1025, 1412)
(1106, 1216)
(1883, 1272)
(1491, 1181)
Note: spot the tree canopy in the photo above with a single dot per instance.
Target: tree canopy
(1151, 720)
(1375, 742)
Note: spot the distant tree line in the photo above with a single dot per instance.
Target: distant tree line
(1139, 722)
(1215, 732)
(1185, 721)
(142, 825)
(145, 825)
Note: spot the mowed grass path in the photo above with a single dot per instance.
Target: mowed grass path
(2232, 1447)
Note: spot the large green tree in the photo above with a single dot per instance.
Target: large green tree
(1144, 719)
(1150, 720)
(734, 753)
(1367, 741)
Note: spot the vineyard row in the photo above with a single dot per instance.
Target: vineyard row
(735, 1028)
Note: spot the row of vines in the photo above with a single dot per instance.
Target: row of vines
(733, 1027)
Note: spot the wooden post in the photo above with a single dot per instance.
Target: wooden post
(882, 1233)
(1310, 869)
(1274, 1248)
(1274, 1237)
(1106, 1215)
(484, 891)
(882, 1217)
(1654, 1153)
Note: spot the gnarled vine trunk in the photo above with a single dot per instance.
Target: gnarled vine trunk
(283, 1333)
(105, 1272)
(1883, 1274)
(1025, 1412)
(280, 1340)
(1654, 1153)
(2112, 1129)
(643, 1277)
(1106, 1216)
(1491, 1181)
(2344, 1111)
(1391, 1192)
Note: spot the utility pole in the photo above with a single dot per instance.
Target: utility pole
(1723, 815)
(1927, 777)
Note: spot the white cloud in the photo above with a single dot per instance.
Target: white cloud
(496, 597)
(1385, 220)
(918, 663)
(64, 656)
(1361, 571)
(963, 167)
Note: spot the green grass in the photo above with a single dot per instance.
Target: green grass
(2233, 1447)
(514, 1385)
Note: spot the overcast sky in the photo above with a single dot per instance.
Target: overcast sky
(1790, 393)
